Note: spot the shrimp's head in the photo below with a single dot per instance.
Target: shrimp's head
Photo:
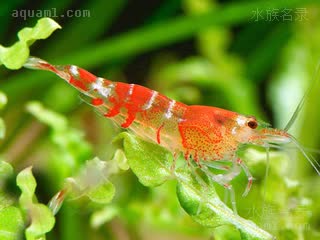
(250, 130)
(247, 130)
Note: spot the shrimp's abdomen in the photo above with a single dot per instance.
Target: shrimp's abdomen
(147, 113)
(196, 131)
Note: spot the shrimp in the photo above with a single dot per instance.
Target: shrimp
(202, 133)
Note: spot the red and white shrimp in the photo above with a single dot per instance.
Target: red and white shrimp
(201, 133)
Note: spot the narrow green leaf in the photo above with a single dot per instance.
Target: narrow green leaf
(150, 162)
(54, 120)
(15, 56)
(11, 223)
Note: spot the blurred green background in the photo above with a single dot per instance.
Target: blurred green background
(252, 57)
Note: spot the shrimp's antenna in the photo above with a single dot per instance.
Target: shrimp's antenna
(316, 78)
(310, 158)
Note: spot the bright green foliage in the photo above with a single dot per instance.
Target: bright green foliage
(11, 223)
(103, 193)
(150, 162)
(38, 217)
(71, 148)
(27, 184)
(230, 63)
(5, 170)
(105, 215)
(93, 181)
(41, 217)
(54, 120)
(15, 56)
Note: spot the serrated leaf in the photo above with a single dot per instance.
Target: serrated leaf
(15, 56)
(203, 204)
(42, 221)
(11, 223)
(150, 162)
(103, 193)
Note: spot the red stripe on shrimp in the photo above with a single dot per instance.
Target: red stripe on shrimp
(136, 98)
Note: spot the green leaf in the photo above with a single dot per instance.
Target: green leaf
(103, 193)
(15, 56)
(11, 223)
(27, 184)
(92, 181)
(71, 147)
(121, 160)
(51, 118)
(42, 221)
(106, 214)
(202, 203)
(150, 162)
(42, 30)
(193, 200)
(5, 170)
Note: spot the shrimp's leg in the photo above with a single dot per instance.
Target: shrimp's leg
(174, 161)
(224, 180)
(220, 165)
(230, 189)
(248, 174)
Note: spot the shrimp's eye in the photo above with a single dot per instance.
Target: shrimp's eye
(252, 124)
